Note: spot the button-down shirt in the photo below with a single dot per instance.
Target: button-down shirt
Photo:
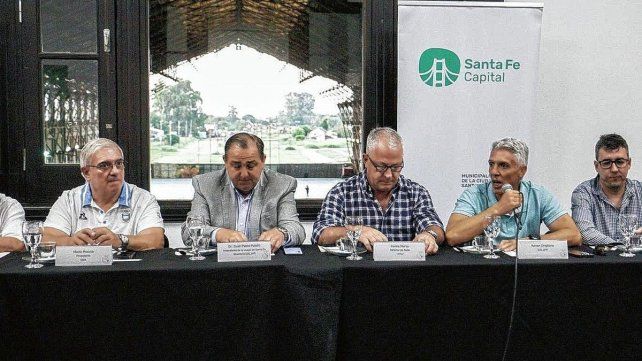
(597, 217)
(243, 206)
(135, 210)
(243, 210)
(410, 210)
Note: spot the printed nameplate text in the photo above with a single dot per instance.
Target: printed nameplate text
(244, 251)
(83, 256)
(542, 249)
(399, 251)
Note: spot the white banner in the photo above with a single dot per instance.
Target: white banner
(467, 75)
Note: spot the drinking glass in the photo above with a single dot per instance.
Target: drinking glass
(354, 224)
(478, 243)
(46, 251)
(195, 225)
(32, 233)
(491, 230)
(345, 245)
(201, 241)
(628, 225)
(635, 243)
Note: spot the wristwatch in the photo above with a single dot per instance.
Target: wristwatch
(124, 242)
(284, 231)
(433, 234)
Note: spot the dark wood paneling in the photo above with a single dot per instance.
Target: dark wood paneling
(11, 141)
(133, 89)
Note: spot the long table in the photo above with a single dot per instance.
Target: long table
(317, 306)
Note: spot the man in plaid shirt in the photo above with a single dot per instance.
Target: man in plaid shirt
(597, 203)
(393, 208)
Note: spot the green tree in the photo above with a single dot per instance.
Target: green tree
(155, 120)
(299, 133)
(325, 124)
(299, 108)
(233, 119)
(177, 108)
(249, 118)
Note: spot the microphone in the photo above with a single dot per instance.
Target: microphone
(516, 212)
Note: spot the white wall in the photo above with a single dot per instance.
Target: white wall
(590, 84)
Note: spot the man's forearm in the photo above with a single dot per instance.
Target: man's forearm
(11, 244)
(143, 242)
(568, 234)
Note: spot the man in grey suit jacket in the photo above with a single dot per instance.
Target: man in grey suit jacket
(244, 201)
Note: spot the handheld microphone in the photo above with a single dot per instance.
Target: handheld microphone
(516, 212)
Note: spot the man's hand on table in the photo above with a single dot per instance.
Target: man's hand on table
(369, 236)
(429, 241)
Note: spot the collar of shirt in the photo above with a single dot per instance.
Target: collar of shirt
(243, 206)
(524, 189)
(367, 189)
(124, 199)
(239, 196)
(597, 190)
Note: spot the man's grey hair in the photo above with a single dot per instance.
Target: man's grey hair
(93, 146)
(516, 146)
(383, 135)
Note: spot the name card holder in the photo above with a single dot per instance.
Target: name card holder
(244, 251)
(542, 249)
(83, 256)
(399, 251)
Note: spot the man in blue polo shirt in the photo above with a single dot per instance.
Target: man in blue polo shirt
(507, 165)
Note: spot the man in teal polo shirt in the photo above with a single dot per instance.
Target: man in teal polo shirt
(531, 203)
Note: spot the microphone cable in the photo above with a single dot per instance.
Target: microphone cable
(518, 225)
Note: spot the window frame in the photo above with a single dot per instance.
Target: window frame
(132, 88)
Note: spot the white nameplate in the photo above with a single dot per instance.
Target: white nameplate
(399, 251)
(83, 256)
(244, 251)
(542, 249)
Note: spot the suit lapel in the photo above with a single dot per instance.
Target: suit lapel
(228, 204)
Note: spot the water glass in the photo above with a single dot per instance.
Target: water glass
(32, 233)
(354, 225)
(479, 243)
(198, 245)
(491, 230)
(195, 225)
(635, 243)
(46, 251)
(345, 245)
(628, 224)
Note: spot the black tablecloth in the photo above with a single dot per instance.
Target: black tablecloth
(322, 307)
(580, 309)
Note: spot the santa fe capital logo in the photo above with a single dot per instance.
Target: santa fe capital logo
(439, 67)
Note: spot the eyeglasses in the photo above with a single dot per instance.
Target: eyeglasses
(607, 163)
(382, 168)
(105, 166)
